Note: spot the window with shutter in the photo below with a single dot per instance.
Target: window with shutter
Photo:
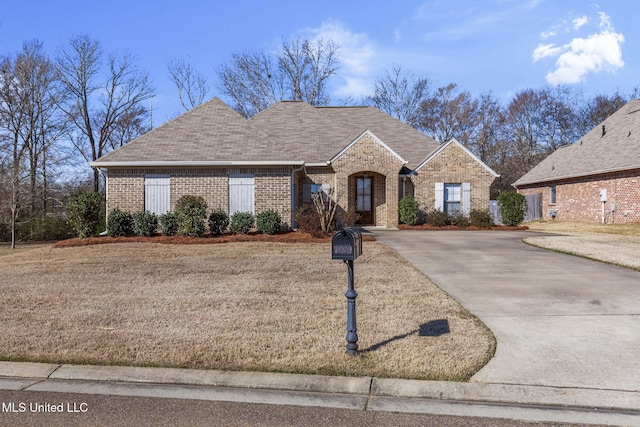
(156, 193)
(241, 193)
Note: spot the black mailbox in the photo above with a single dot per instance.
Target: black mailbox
(346, 244)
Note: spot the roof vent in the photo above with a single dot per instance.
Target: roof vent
(603, 130)
(629, 134)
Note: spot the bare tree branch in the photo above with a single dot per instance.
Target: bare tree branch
(191, 85)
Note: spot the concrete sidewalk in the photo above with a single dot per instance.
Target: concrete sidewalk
(529, 403)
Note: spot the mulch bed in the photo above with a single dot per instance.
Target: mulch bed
(453, 227)
(290, 237)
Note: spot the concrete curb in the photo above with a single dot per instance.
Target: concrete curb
(23, 375)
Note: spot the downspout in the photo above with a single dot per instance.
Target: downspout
(293, 194)
(105, 174)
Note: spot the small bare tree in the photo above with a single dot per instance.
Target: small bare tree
(326, 206)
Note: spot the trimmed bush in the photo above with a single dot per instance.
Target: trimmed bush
(408, 209)
(145, 224)
(438, 218)
(459, 220)
(85, 213)
(268, 222)
(480, 218)
(513, 207)
(308, 220)
(349, 217)
(191, 212)
(119, 223)
(168, 224)
(241, 222)
(218, 222)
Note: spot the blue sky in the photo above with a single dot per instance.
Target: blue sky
(498, 46)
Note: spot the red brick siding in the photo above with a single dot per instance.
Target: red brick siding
(125, 188)
(579, 199)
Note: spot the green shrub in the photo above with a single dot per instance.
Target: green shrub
(168, 224)
(218, 222)
(241, 222)
(308, 220)
(119, 223)
(268, 222)
(480, 218)
(459, 220)
(191, 212)
(408, 209)
(513, 207)
(85, 212)
(145, 223)
(438, 218)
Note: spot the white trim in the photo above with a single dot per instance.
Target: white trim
(466, 150)
(579, 176)
(321, 164)
(178, 163)
(376, 139)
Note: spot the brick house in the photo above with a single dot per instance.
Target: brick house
(276, 159)
(597, 178)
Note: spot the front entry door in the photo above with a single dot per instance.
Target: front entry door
(364, 200)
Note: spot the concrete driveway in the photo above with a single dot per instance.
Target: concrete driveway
(559, 320)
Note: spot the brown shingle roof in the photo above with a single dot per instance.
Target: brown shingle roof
(287, 131)
(617, 150)
(209, 132)
(317, 134)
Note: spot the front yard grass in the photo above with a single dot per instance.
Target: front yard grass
(577, 227)
(235, 306)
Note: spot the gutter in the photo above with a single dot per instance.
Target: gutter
(178, 163)
(584, 175)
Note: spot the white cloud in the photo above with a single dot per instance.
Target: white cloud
(581, 56)
(544, 51)
(579, 22)
(357, 58)
(547, 34)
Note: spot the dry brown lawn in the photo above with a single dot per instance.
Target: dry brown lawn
(577, 227)
(617, 244)
(5, 248)
(235, 306)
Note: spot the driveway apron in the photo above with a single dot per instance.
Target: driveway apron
(559, 320)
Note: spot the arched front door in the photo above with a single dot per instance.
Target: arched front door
(364, 199)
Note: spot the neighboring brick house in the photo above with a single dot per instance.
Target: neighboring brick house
(597, 178)
(276, 159)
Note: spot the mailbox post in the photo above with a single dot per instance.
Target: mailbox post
(347, 246)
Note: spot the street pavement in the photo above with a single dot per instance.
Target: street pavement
(567, 332)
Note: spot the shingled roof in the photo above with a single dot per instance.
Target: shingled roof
(286, 133)
(612, 146)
